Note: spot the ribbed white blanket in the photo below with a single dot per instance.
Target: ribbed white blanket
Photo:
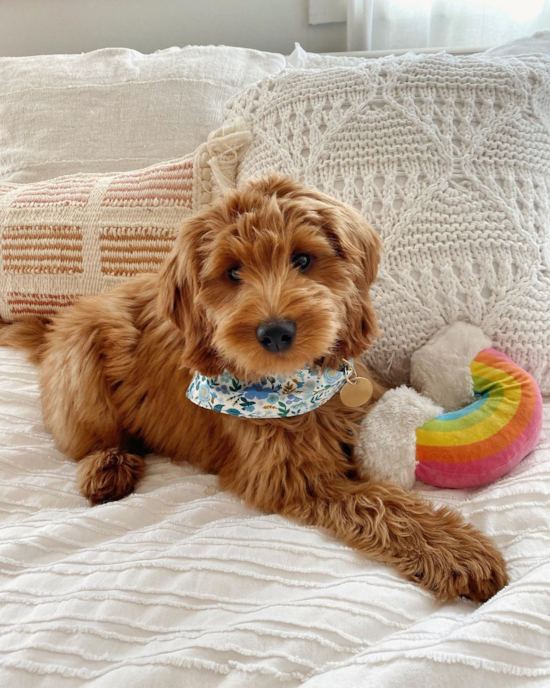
(181, 585)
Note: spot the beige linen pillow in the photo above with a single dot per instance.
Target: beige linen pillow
(115, 109)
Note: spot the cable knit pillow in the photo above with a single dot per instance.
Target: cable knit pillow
(81, 234)
(449, 159)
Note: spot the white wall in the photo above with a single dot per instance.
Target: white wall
(32, 27)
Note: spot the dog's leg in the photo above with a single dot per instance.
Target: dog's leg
(79, 411)
(107, 475)
(433, 547)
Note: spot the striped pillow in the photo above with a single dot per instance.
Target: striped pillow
(82, 234)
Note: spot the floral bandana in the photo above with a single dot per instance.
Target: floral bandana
(272, 396)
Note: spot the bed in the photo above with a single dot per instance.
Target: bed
(180, 584)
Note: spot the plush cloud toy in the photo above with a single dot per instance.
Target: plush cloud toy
(474, 416)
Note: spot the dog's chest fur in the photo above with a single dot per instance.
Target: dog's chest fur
(173, 426)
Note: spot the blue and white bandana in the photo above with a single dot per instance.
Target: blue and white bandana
(272, 396)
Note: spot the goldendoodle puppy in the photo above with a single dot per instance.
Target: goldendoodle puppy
(270, 280)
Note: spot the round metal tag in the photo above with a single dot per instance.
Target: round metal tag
(356, 393)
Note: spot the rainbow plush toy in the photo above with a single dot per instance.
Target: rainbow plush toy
(474, 416)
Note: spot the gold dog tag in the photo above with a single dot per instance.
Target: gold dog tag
(356, 392)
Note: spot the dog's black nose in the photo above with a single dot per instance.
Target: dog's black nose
(276, 336)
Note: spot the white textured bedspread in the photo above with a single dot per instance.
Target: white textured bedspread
(182, 585)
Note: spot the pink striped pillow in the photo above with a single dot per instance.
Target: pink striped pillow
(81, 234)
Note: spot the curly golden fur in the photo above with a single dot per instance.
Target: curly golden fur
(114, 370)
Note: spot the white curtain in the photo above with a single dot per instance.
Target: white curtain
(398, 24)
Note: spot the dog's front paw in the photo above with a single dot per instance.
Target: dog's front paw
(109, 475)
(468, 566)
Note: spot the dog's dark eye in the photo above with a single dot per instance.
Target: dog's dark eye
(302, 261)
(233, 274)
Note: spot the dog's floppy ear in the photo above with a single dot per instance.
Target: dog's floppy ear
(179, 286)
(358, 244)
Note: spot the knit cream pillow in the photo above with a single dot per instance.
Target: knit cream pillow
(82, 234)
(449, 159)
